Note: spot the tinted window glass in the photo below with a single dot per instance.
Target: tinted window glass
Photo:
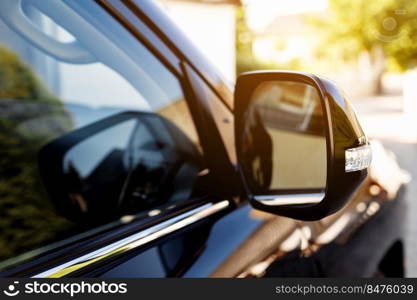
(93, 128)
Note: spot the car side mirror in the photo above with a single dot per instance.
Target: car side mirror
(300, 148)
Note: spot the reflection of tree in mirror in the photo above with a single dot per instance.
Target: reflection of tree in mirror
(30, 117)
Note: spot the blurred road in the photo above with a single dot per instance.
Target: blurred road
(383, 118)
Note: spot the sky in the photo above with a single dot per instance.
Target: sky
(261, 12)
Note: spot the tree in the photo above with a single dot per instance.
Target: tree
(384, 30)
(245, 60)
(402, 52)
(244, 40)
(28, 219)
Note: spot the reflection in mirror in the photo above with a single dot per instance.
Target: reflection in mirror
(284, 143)
(42, 98)
(125, 164)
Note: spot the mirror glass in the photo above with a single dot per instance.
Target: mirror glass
(284, 139)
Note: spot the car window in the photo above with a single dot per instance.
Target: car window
(93, 128)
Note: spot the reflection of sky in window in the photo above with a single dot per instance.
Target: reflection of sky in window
(97, 85)
(146, 61)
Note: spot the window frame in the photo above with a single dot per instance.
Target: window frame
(145, 17)
(75, 246)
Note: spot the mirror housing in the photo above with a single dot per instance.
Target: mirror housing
(348, 153)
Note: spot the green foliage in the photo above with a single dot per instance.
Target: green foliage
(247, 63)
(31, 117)
(244, 37)
(17, 81)
(354, 26)
(402, 51)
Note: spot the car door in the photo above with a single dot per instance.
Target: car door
(105, 158)
(243, 237)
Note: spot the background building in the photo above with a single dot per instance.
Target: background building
(211, 26)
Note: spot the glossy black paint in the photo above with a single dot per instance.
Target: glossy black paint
(341, 133)
(236, 227)
(223, 245)
(169, 33)
(213, 145)
(125, 180)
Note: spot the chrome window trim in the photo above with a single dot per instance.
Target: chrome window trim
(135, 240)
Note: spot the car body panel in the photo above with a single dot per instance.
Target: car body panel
(237, 241)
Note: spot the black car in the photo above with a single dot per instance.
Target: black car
(124, 154)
